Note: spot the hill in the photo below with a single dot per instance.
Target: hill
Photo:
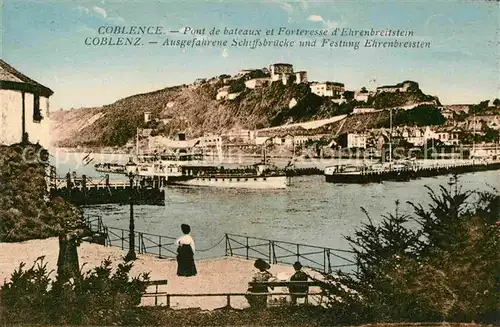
(194, 110)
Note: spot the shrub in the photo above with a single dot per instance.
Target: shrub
(447, 269)
(100, 296)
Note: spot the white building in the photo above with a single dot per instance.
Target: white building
(363, 110)
(300, 77)
(355, 140)
(24, 108)
(327, 89)
(243, 72)
(147, 116)
(222, 93)
(400, 87)
(256, 82)
(300, 139)
(279, 69)
(362, 96)
(232, 96)
(239, 134)
(259, 140)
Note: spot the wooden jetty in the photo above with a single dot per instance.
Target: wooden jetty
(86, 191)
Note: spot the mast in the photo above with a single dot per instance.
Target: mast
(390, 139)
(137, 141)
(474, 141)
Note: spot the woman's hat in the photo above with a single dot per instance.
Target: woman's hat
(261, 264)
(297, 265)
(186, 229)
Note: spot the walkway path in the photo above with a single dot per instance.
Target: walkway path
(221, 275)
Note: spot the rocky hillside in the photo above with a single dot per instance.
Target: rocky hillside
(194, 110)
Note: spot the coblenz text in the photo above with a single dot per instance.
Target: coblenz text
(130, 30)
(111, 35)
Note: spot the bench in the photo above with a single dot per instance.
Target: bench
(155, 283)
(287, 284)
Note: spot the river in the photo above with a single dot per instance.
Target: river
(310, 211)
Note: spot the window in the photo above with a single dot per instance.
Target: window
(37, 114)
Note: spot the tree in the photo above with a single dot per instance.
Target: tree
(348, 95)
(237, 85)
(445, 269)
(422, 115)
(477, 108)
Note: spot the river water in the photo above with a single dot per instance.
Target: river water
(310, 211)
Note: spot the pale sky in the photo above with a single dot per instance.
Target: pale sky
(46, 41)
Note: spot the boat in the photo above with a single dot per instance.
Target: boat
(112, 168)
(402, 170)
(369, 174)
(191, 170)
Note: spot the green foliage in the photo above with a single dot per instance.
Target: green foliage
(26, 294)
(397, 99)
(26, 211)
(489, 135)
(237, 85)
(257, 73)
(422, 115)
(100, 296)
(478, 108)
(447, 269)
(349, 95)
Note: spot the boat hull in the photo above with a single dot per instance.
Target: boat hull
(257, 182)
(406, 175)
(398, 176)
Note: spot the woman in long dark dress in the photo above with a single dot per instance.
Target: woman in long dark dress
(185, 253)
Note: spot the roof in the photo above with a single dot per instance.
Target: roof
(281, 64)
(12, 79)
(328, 83)
(398, 85)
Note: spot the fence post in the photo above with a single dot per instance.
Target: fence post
(329, 263)
(225, 235)
(298, 253)
(270, 262)
(274, 254)
(122, 239)
(247, 247)
(324, 260)
(139, 246)
(159, 246)
(168, 300)
(229, 244)
(229, 300)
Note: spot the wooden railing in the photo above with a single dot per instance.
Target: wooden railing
(228, 296)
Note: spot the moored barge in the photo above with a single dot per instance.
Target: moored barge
(361, 175)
